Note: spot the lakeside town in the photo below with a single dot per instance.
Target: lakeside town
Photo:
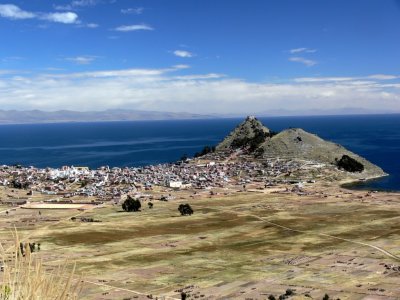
(251, 156)
(113, 184)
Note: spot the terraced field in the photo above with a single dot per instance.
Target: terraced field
(244, 245)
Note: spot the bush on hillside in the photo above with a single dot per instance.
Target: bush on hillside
(349, 164)
(205, 150)
(253, 143)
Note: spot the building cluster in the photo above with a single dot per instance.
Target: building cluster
(111, 183)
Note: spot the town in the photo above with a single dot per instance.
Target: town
(113, 184)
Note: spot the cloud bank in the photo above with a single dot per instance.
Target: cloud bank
(168, 90)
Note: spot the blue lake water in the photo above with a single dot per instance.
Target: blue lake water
(375, 137)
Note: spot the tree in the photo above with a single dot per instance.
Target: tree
(349, 164)
(150, 204)
(185, 209)
(326, 297)
(252, 143)
(131, 204)
(206, 150)
(289, 292)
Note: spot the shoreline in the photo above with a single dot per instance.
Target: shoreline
(351, 184)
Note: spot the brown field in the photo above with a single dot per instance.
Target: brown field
(244, 245)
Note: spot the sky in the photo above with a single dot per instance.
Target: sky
(201, 56)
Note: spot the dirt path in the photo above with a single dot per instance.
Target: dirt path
(128, 290)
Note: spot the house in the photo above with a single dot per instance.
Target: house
(174, 184)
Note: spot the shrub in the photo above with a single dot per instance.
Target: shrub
(349, 164)
(205, 150)
(289, 292)
(253, 143)
(131, 204)
(185, 209)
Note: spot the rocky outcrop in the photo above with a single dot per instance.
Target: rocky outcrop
(250, 133)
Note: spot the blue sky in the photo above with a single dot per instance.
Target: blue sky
(203, 56)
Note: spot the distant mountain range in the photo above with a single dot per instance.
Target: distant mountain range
(59, 116)
(38, 116)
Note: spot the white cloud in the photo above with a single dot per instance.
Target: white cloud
(166, 90)
(87, 25)
(138, 73)
(84, 2)
(65, 18)
(304, 61)
(132, 11)
(383, 77)
(349, 79)
(200, 76)
(12, 11)
(81, 60)
(12, 59)
(76, 4)
(324, 79)
(181, 67)
(92, 25)
(304, 50)
(127, 28)
(183, 53)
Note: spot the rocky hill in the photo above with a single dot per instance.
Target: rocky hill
(250, 133)
(297, 144)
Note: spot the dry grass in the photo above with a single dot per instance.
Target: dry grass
(24, 277)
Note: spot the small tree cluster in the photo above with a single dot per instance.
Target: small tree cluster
(205, 150)
(284, 296)
(185, 209)
(131, 204)
(19, 185)
(253, 143)
(349, 164)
